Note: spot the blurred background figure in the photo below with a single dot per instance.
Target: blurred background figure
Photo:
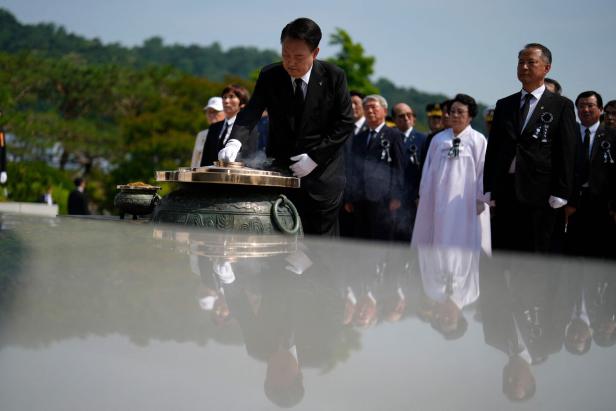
(553, 86)
(214, 114)
(47, 197)
(435, 117)
(77, 199)
(3, 175)
(488, 117)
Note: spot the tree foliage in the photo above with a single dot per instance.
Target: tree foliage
(351, 59)
(52, 41)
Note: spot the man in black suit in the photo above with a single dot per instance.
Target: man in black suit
(347, 224)
(377, 172)
(234, 98)
(530, 159)
(309, 108)
(77, 200)
(589, 221)
(413, 141)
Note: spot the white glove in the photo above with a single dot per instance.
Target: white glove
(3, 177)
(229, 152)
(303, 165)
(224, 271)
(556, 202)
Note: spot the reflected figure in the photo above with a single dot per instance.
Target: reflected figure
(578, 334)
(290, 311)
(450, 279)
(525, 306)
(601, 306)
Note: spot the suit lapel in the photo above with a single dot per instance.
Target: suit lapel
(287, 96)
(516, 112)
(596, 145)
(314, 92)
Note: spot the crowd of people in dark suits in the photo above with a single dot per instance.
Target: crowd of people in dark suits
(541, 183)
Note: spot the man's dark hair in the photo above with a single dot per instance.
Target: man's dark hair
(358, 94)
(78, 181)
(468, 101)
(556, 84)
(303, 29)
(545, 52)
(445, 105)
(611, 103)
(588, 94)
(239, 91)
(285, 396)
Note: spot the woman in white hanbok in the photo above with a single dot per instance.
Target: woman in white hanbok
(452, 211)
(453, 220)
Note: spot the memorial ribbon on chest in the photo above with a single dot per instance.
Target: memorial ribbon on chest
(607, 152)
(454, 151)
(385, 145)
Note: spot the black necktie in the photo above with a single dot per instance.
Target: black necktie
(298, 102)
(369, 139)
(524, 110)
(223, 133)
(587, 144)
(586, 171)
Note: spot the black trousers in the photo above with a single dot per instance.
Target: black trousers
(522, 227)
(318, 211)
(589, 228)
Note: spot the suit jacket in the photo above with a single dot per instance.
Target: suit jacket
(544, 150)
(327, 122)
(601, 170)
(78, 203)
(374, 178)
(213, 144)
(413, 147)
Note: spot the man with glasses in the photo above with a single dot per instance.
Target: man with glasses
(376, 174)
(530, 160)
(413, 141)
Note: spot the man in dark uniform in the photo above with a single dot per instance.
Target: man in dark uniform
(377, 174)
(530, 159)
(309, 108)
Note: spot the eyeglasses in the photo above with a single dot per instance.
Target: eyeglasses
(587, 105)
(405, 115)
(457, 112)
(609, 113)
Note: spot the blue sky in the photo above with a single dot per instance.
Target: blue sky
(437, 46)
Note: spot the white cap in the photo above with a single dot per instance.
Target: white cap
(215, 103)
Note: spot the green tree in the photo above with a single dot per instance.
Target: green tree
(352, 60)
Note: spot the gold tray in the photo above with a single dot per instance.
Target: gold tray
(228, 173)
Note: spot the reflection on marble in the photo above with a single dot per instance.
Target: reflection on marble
(169, 317)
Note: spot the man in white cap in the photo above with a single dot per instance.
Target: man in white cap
(214, 113)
